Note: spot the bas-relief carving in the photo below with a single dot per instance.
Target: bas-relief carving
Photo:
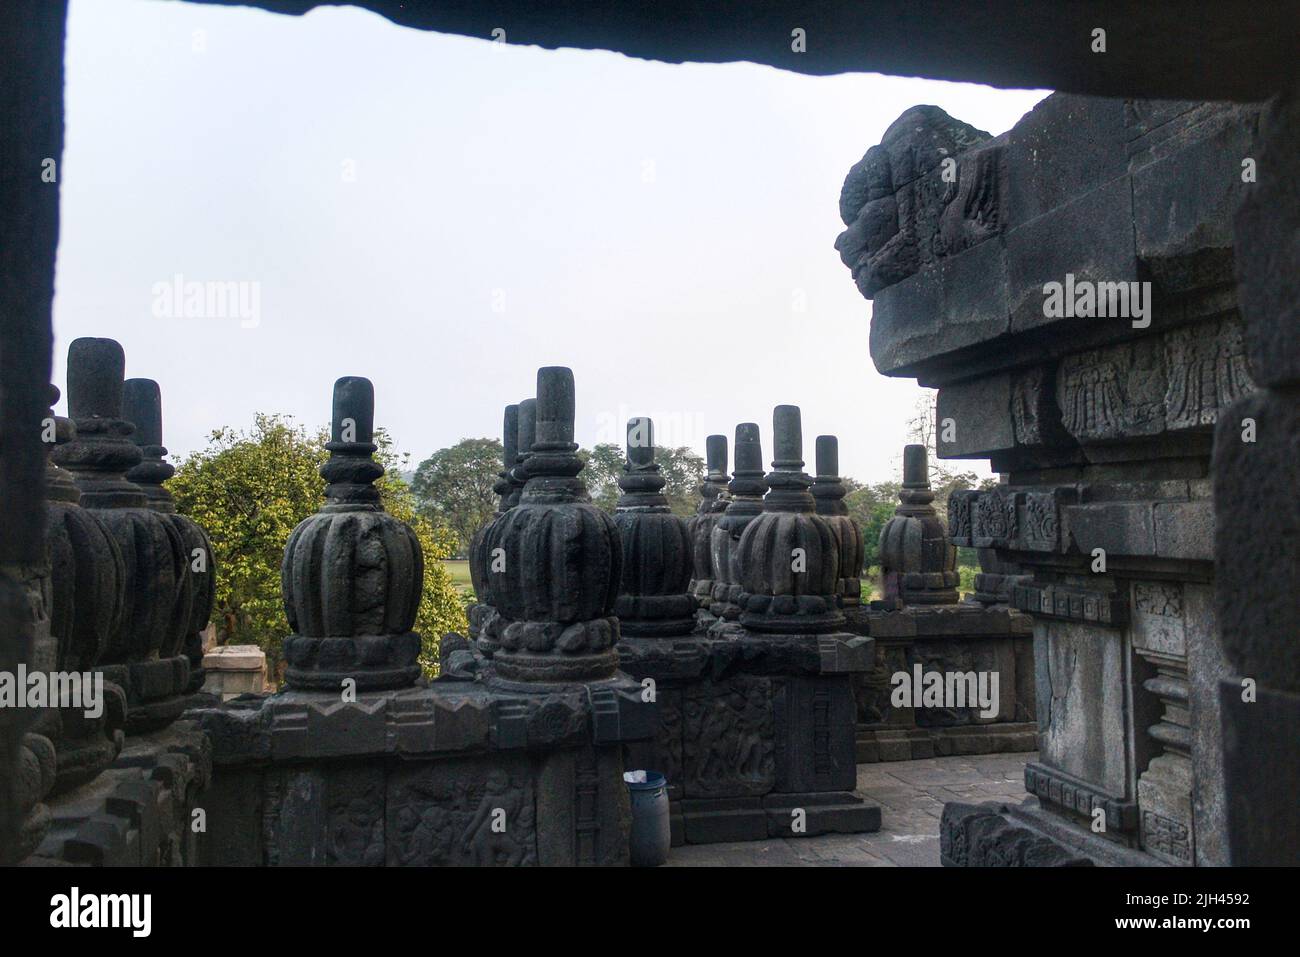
(993, 519)
(462, 814)
(1166, 836)
(905, 206)
(1042, 524)
(1177, 381)
(1206, 373)
(728, 739)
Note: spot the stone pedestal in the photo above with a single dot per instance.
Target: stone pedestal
(232, 670)
(450, 774)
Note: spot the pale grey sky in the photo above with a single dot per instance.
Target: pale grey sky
(444, 215)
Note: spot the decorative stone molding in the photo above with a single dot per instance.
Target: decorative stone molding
(745, 494)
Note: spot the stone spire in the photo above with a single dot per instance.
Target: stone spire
(828, 491)
(653, 601)
(788, 555)
(142, 405)
(745, 494)
(918, 566)
(145, 654)
(561, 560)
(713, 502)
(479, 558)
(352, 574)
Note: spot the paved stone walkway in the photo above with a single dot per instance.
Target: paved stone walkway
(911, 795)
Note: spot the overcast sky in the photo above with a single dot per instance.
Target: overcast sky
(444, 215)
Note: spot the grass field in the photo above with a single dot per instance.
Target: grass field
(459, 572)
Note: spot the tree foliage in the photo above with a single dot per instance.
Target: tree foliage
(251, 489)
(682, 469)
(453, 487)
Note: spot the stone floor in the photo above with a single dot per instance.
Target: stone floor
(911, 795)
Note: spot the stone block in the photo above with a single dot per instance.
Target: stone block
(1262, 775)
(980, 411)
(1081, 703)
(814, 720)
(1090, 237)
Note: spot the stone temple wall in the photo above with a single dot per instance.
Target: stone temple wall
(1103, 425)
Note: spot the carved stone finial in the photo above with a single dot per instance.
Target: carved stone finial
(352, 575)
(84, 603)
(145, 654)
(561, 559)
(788, 555)
(508, 486)
(713, 502)
(653, 601)
(142, 405)
(918, 565)
(744, 501)
(828, 491)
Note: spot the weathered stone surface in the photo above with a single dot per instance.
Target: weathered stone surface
(351, 573)
(788, 556)
(562, 560)
(979, 835)
(828, 491)
(146, 654)
(653, 598)
(918, 566)
(745, 494)
(713, 503)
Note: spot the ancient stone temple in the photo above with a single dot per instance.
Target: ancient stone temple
(756, 732)
(828, 491)
(951, 677)
(513, 760)
(1068, 287)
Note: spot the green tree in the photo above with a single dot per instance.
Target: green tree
(453, 487)
(251, 489)
(681, 468)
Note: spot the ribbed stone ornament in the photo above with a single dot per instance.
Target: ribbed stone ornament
(653, 601)
(142, 405)
(713, 502)
(479, 558)
(84, 598)
(561, 561)
(788, 556)
(828, 491)
(144, 654)
(352, 575)
(745, 494)
(918, 565)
